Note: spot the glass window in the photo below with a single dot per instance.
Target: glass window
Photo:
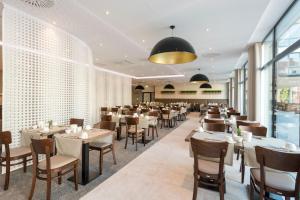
(266, 98)
(287, 108)
(288, 30)
(267, 49)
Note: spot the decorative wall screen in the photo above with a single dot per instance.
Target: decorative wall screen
(47, 75)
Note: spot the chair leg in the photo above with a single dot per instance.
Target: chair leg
(126, 140)
(59, 178)
(48, 186)
(32, 184)
(144, 138)
(251, 190)
(152, 132)
(156, 131)
(148, 131)
(7, 174)
(195, 187)
(101, 162)
(76, 176)
(242, 168)
(132, 140)
(136, 135)
(114, 153)
(221, 191)
(238, 155)
(24, 165)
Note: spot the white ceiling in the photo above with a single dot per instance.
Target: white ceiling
(117, 39)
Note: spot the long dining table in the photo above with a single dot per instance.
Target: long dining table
(74, 145)
(71, 144)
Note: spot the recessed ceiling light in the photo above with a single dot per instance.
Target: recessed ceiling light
(143, 41)
(207, 29)
(210, 48)
(101, 45)
(107, 12)
(125, 56)
(54, 22)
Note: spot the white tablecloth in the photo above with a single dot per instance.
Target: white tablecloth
(144, 122)
(71, 144)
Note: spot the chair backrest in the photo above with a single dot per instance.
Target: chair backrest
(153, 113)
(132, 121)
(41, 147)
(127, 106)
(241, 117)
(145, 110)
(244, 123)
(103, 108)
(278, 160)
(256, 130)
(79, 122)
(5, 139)
(114, 110)
(106, 118)
(129, 112)
(108, 125)
(213, 116)
(209, 149)
(214, 127)
(217, 121)
(229, 114)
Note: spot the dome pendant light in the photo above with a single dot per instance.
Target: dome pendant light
(139, 87)
(169, 86)
(172, 50)
(205, 85)
(199, 78)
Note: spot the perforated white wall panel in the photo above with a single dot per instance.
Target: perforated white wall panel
(48, 75)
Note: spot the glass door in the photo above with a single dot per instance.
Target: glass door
(287, 96)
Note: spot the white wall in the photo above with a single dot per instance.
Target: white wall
(191, 86)
(49, 75)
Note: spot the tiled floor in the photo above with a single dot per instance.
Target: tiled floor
(165, 171)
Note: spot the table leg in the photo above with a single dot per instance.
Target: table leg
(85, 164)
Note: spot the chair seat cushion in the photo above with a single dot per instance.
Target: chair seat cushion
(275, 179)
(132, 130)
(208, 167)
(99, 144)
(57, 162)
(17, 152)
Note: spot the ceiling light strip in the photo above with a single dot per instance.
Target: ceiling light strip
(159, 76)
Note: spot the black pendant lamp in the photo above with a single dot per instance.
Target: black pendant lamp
(172, 50)
(205, 85)
(169, 86)
(199, 78)
(139, 87)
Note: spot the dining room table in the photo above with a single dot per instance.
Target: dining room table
(77, 146)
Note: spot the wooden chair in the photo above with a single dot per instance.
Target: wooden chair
(103, 111)
(106, 118)
(79, 122)
(244, 123)
(153, 126)
(166, 118)
(145, 110)
(106, 144)
(241, 117)
(213, 116)
(115, 110)
(213, 112)
(133, 131)
(217, 121)
(265, 180)
(229, 114)
(209, 173)
(10, 155)
(214, 127)
(52, 167)
(256, 130)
